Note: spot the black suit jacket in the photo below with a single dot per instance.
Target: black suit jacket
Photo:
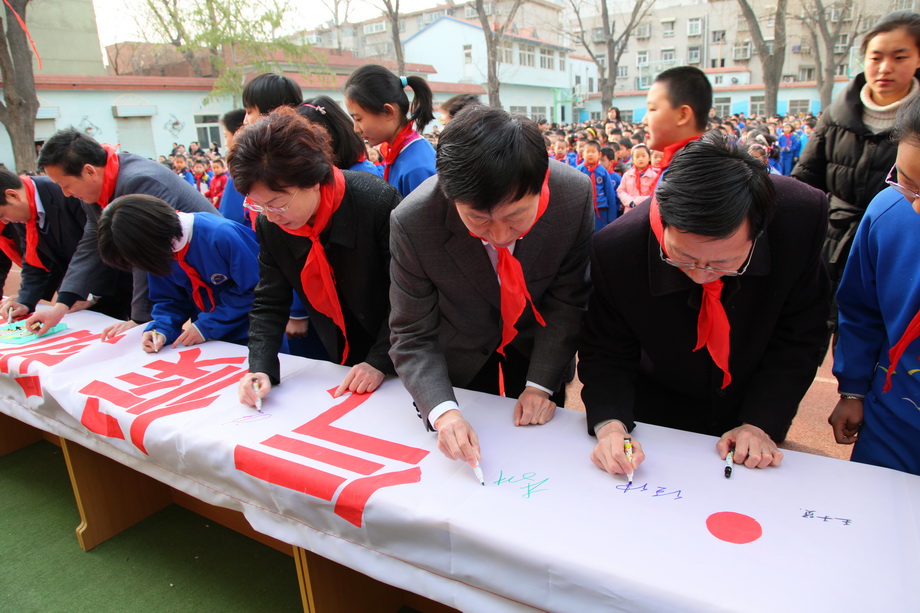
(57, 242)
(356, 242)
(636, 357)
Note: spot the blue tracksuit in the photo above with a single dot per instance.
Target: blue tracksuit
(607, 204)
(414, 164)
(368, 166)
(789, 148)
(226, 257)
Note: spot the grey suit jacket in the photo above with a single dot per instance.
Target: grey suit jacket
(136, 175)
(445, 319)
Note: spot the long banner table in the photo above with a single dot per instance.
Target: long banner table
(357, 480)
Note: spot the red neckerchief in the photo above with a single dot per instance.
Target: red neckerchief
(560, 158)
(513, 294)
(712, 328)
(317, 276)
(32, 258)
(591, 170)
(897, 350)
(9, 247)
(197, 284)
(110, 175)
(361, 158)
(671, 150)
(403, 138)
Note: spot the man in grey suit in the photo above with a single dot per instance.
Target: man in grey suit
(96, 174)
(499, 230)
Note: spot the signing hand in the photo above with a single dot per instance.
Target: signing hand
(19, 310)
(191, 336)
(456, 438)
(246, 391)
(609, 454)
(152, 341)
(116, 329)
(47, 318)
(361, 379)
(533, 407)
(753, 447)
(846, 420)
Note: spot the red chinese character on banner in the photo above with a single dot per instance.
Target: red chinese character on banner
(353, 493)
(174, 387)
(48, 351)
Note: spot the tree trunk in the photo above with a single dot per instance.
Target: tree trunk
(20, 102)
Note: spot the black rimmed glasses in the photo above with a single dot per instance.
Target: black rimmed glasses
(718, 271)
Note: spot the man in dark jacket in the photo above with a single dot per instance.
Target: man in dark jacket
(708, 309)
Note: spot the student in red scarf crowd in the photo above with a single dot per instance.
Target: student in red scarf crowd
(639, 181)
(97, 174)
(678, 107)
(50, 226)
(708, 309)
(202, 269)
(323, 232)
(489, 267)
(377, 102)
(604, 184)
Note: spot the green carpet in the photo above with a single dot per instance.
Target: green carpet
(173, 561)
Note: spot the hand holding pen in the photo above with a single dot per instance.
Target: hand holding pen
(610, 453)
(253, 389)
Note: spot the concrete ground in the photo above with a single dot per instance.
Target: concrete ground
(810, 432)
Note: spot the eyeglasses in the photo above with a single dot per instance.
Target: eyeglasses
(908, 193)
(258, 208)
(718, 271)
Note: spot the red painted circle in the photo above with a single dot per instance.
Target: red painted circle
(734, 527)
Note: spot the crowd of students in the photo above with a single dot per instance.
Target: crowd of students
(686, 272)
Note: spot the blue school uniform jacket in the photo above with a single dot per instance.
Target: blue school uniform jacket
(412, 166)
(226, 256)
(368, 166)
(605, 183)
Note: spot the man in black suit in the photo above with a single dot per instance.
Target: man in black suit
(59, 221)
(97, 174)
(708, 308)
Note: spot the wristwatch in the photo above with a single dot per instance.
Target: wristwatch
(851, 396)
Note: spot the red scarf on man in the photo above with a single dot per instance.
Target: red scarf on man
(390, 153)
(514, 294)
(197, 284)
(317, 275)
(712, 328)
(897, 350)
(591, 170)
(110, 175)
(9, 247)
(32, 258)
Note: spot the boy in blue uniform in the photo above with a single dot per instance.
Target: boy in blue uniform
(606, 202)
(202, 269)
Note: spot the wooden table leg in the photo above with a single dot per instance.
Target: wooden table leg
(111, 497)
(15, 435)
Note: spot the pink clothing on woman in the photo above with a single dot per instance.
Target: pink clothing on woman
(635, 187)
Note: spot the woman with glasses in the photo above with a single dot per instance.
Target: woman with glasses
(876, 359)
(850, 152)
(324, 233)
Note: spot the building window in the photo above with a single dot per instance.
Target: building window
(601, 59)
(668, 55)
(208, 130)
(467, 54)
(695, 26)
(425, 18)
(561, 62)
(806, 73)
(595, 115)
(905, 5)
(598, 35)
(644, 82)
(548, 59)
(799, 106)
(470, 12)
(717, 63)
(742, 24)
(758, 106)
(527, 55)
(506, 53)
(375, 27)
(626, 116)
(641, 58)
(770, 47)
(644, 31)
(622, 71)
(741, 51)
(537, 112)
(717, 79)
(723, 106)
(590, 84)
(667, 28)
(518, 110)
(718, 36)
(842, 44)
(693, 55)
(843, 70)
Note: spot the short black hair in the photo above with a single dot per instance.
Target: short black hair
(70, 150)
(455, 104)
(712, 186)
(233, 120)
(609, 153)
(593, 143)
(486, 157)
(271, 90)
(8, 180)
(347, 146)
(688, 85)
(137, 231)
